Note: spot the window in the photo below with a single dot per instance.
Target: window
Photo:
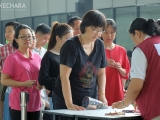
(150, 11)
(69, 15)
(107, 12)
(27, 21)
(62, 18)
(40, 19)
(124, 16)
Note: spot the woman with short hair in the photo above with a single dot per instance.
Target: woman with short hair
(82, 65)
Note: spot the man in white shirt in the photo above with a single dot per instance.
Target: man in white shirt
(42, 36)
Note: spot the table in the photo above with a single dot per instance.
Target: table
(61, 112)
(100, 115)
(95, 114)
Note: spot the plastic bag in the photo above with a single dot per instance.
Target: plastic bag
(91, 103)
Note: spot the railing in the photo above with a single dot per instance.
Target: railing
(24, 97)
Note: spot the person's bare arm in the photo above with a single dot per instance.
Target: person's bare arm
(123, 83)
(66, 88)
(133, 91)
(121, 70)
(7, 81)
(101, 77)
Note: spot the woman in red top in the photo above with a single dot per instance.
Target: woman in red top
(118, 64)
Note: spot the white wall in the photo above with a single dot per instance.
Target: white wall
(57, 6)
(45, 7)
(100, 4)
(24, 11)
(71, 5)
(7, 13)
(0, 11)
(147, 1)
(121, 3)
(39, 7)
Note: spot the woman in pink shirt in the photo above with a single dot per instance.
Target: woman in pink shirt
(20, 72)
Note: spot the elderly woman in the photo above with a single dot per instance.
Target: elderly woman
(82, 65)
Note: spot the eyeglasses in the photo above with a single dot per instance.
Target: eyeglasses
(97, 31)
(78, 29)
(34, 38)
(26, 37)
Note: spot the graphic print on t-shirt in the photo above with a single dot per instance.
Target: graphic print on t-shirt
(87, 75)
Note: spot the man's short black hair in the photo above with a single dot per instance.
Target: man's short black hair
(93, 18)
(72, 19)
(43, 29)
(13, 23)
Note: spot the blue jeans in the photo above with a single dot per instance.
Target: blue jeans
(51, 104)
(6, 114)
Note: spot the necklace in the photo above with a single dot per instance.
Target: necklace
(110, 51)
(56, 51)
(81, 42)
(110, 54)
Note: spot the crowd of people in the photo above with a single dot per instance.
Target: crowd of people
(81, 60)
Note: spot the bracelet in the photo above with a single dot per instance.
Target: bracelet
(101, 94)
(124, 104)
